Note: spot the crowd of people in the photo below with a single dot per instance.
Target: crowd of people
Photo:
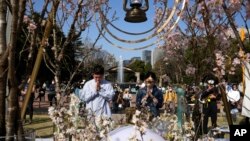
(37, 94)
(102, 97)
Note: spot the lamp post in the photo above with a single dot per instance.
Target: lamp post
(135, 14)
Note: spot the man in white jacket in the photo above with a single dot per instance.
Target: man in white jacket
(97, 93)
(233, 97)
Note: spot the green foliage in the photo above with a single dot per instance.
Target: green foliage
(160, 68)
(138, 66)
(147, 67)
(26, 62)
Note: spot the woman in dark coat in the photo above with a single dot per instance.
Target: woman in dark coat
(150, 96)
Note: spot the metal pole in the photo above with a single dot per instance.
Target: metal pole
(32, 79)
(39, 57)
(226, 106)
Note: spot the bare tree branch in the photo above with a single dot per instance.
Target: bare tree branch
(231, 22)
(48, 61)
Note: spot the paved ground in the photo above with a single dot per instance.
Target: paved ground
(40, 107)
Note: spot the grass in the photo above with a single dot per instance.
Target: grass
(43, 126)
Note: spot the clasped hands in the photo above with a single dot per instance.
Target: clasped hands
(212, 96)
(98, 86)
(149, 94)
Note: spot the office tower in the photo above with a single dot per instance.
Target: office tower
(146, 56)
(157, 54)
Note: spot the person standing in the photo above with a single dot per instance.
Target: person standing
(150, 96)
(170, 100)
(210, 96)
(97, 93)
(41, 93)
(30, 107)
(52, 93)
(127, 98)
(233, 97)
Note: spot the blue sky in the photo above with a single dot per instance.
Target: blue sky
(130, 27)
(116, 6)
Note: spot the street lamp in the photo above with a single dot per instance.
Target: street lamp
(135, 14)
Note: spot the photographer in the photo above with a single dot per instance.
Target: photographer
(210, 97)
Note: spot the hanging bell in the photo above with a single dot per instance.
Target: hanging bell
(137, 13)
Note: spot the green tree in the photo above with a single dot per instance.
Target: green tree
(138, 66)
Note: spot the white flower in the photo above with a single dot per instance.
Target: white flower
(137, 112)
(32, 27)
(134, 119)
(102, 133)
(105, 122)
(236, 61)
(51, 110)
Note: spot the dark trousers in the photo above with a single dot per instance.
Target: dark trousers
(51, 97)
(30, 107)
(209, 110)
(126, 103)
(115, 107)
(40, 96)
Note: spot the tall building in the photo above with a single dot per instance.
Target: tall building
(157, 54)
(126, 62)
(135, 58)
(146, 56)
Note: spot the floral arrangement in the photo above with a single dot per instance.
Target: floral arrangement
(140, 120)
(75, 123)
(166, 125)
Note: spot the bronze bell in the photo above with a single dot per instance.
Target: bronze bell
(137, 13)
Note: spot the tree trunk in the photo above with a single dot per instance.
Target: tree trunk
(57, 86)
(12, 115)
(57, 64)
(22, 8)
(3, 65)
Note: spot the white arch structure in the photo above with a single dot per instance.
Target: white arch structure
(158, 28)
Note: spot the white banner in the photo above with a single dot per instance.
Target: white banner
(246, 99)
